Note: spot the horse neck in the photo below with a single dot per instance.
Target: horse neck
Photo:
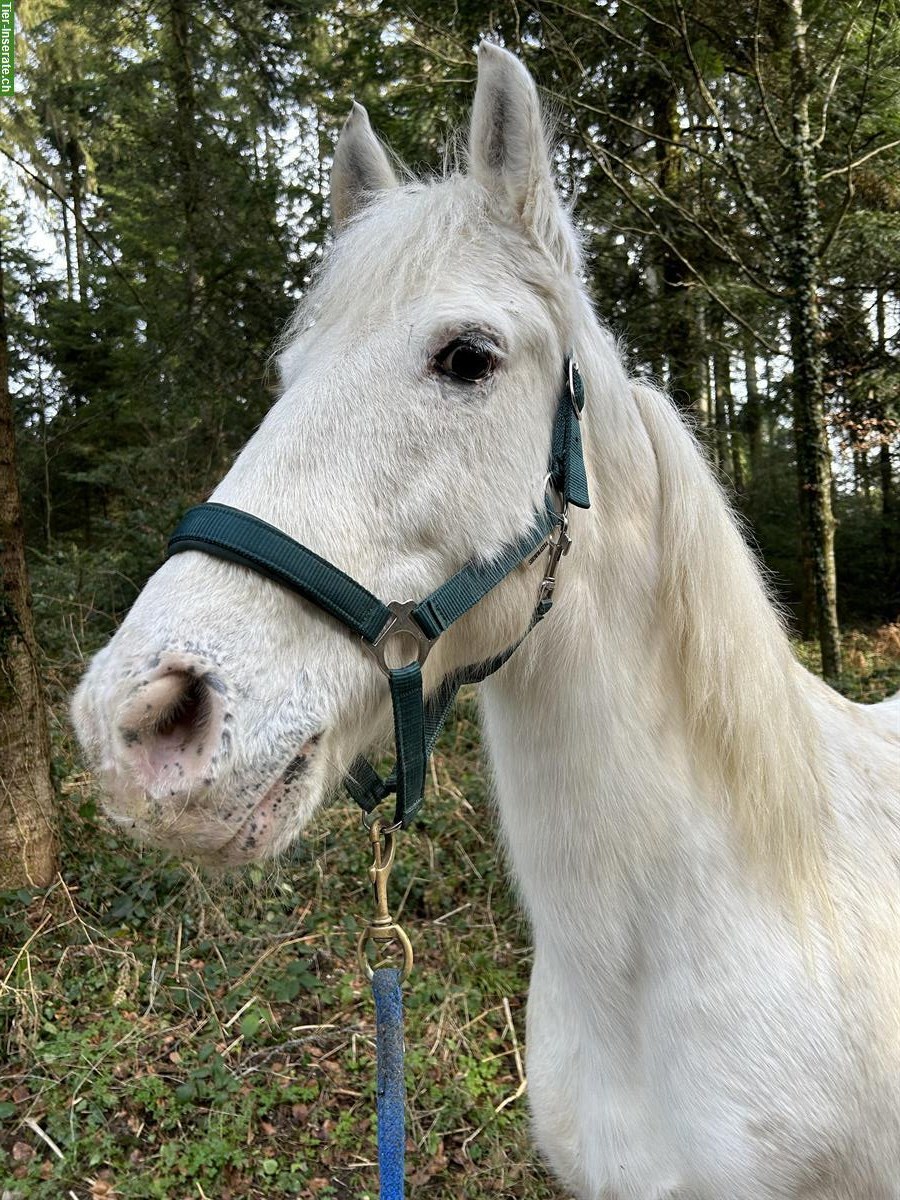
(660, 697)
(583, 724)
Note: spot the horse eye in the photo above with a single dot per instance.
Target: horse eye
(466, 360)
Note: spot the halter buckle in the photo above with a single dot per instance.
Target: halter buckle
(403, 624)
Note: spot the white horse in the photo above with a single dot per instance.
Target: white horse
(702, 833)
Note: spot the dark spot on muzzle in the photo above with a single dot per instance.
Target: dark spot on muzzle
(215, 682)
(295, 768)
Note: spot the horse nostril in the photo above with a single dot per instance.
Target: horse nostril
(171, 727)
(184, 710)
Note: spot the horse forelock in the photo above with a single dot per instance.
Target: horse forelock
(407, 244)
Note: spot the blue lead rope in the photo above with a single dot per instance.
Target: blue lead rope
(391, 1086)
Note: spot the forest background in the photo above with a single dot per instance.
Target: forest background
(735, 170)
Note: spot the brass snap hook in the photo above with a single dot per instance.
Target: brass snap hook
(382, 930)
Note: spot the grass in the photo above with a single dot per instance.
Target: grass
(171, 1036)
(168, 1035)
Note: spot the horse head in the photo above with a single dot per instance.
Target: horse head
(419, 380)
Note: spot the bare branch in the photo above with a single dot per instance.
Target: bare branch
(629, 196)
(761, 87)
(649, 16)
(716, 236)
(867, 75)
(48, 187)
(720, 242)
(859, 161)
(441, 31)
(650, 135)
(757, 204)
(610, 29)
(832, 84)
(838, 221)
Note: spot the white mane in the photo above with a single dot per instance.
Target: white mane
(743, 691)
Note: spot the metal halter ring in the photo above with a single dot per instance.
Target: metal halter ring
(381, 937)
(403, 624)
(369, 819)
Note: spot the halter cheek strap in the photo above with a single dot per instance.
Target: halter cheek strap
(238, 537)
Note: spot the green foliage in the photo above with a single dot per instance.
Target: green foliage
(871, 663)
(184, 160)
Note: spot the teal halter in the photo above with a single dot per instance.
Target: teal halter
(238, 537)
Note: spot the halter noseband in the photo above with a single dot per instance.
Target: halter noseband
(238, 537)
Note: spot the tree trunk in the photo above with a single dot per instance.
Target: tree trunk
(885, 474)
(727, 436)
(704, 403)
(737, 452)
(654, 350)
(679, 307)
(67, 243)
(185, 144)
(721, 374)
(890, 553)
(810, 433)
(682, 351)
(753, 410)
(76, 159)
(42, 420)
(861, 471)
(28, 850)
(704, 410)
(722, 380)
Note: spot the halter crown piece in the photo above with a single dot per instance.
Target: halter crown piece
(231, 534)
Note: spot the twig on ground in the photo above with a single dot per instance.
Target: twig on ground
(45, 1137)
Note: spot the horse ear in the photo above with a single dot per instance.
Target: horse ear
(508, 150)
(361, 167)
